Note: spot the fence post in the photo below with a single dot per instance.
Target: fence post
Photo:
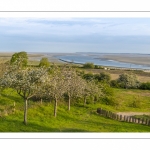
(143, 121)
(124, 118)
(149, 122)
(146, 121)
(127, 119)
(130, 119)
(120, 117)
(117, 117)
(99, 110)
(138, 120)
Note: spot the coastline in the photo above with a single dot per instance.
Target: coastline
(139, 60)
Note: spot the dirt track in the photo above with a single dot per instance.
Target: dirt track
(133, 113)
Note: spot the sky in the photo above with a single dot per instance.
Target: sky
(104, 35)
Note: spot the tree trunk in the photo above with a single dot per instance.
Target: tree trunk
(14, 107)
(69, 102)
(25, 111)
(41, 101)
(84, 100)
(55, 107)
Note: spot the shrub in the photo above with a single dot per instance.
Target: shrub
(114, 83)
(88, 76)
(89, 65)
(44, 62)
(145, 86)
(98, 67)
(128, 81)
(103, 77)
(108, 94)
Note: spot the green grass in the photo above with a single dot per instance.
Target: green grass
(78, 119)
(128, 97)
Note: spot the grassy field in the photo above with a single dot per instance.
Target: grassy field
(78, 119)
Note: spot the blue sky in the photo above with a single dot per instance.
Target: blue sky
(110, 35)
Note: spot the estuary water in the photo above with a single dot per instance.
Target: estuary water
(82, 59)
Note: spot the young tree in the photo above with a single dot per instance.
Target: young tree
(20, 59)
(72, 83)
(44, 62)
(90, 88)
(55, 87)
(25, 82)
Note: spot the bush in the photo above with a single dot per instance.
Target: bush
(145, 86)
(114, 83)
(44, 62)
(109, 100)
(128, 81)
(103, 77)
(89, 65)
(98, 67)
(88, 76)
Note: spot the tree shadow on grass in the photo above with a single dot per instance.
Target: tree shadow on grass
(11, 97)
(14, 125)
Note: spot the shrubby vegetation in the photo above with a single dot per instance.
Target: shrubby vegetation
(89, 65)
(44, 62)
(20, 59)
(103, 77)
(127, 81)
(145, 86)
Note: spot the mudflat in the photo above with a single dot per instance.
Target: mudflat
(140, 59)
